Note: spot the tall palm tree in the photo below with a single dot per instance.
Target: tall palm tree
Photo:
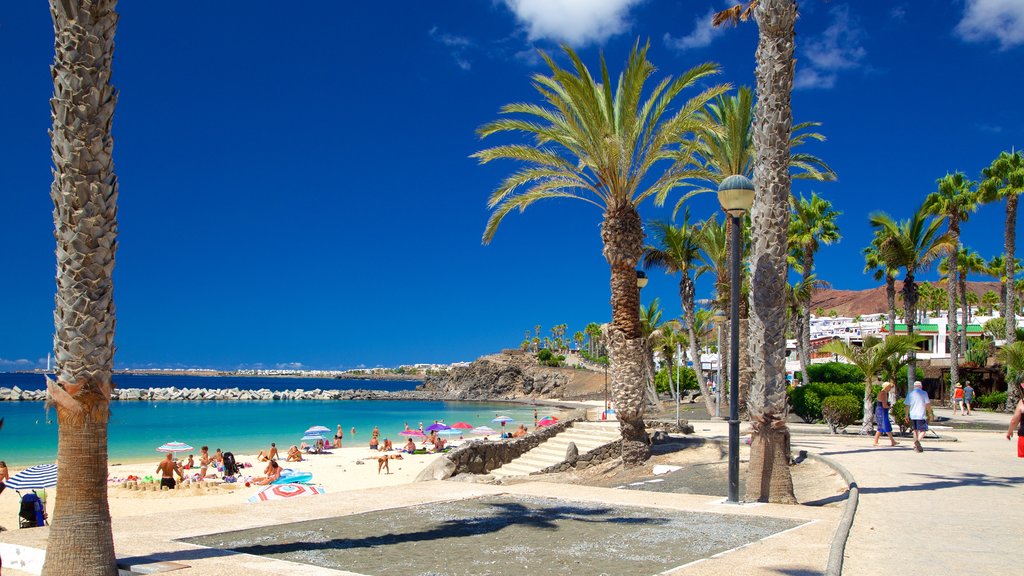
(812, 224)
(989, 300)
(84, 194)
(769, 477)
(714, 257)
(970, 262)
(677, 250)
(875, 262)
(578, 337)
(955, 200)
(593, 331)
(996, 268)
(599, 142)
(871, 358)
(1004, 179)
(913, 245)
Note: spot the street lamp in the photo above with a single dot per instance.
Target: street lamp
(719, 318)
(736, 195)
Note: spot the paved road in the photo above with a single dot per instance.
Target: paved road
(957, 508)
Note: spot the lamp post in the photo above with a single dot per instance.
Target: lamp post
(719, 321)
(736, 195)
(641, 281)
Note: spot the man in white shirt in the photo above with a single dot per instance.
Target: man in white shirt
(917, 413)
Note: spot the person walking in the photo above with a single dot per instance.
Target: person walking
(1018, 421)
(968, 397)
(917, 413)
(882, 414)
(958, 399)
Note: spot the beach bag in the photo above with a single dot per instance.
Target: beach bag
(31, 514)
(230, 466)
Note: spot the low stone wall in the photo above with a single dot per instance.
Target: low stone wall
(480, 457)
(16, 394)
(596, 456)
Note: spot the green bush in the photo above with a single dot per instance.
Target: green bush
(806, 403)
(548, 358)
(901, 378)
(687, 377)
(898, 411)
(993, 401)
(835, 372)
(840, 411)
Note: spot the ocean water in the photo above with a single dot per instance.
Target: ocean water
(29, 435)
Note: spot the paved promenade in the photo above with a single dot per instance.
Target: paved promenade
(957, 508)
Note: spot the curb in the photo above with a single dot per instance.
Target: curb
(835, 556)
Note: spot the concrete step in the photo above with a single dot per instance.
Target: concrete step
(586, 435)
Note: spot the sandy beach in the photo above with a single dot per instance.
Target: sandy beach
(341, 470)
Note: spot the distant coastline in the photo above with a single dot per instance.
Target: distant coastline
(336, 375)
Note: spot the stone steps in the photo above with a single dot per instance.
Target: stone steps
(586, 435)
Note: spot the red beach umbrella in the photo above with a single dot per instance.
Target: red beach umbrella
(462, 426)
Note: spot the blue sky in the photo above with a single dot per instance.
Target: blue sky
(296, 186)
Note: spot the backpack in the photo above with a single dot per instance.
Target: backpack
(230, 466)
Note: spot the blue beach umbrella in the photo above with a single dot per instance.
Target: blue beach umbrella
(312, 437)
(34, 478)
(317, 430)
(502, 420)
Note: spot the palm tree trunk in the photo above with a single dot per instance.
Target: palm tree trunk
(84, 194)
(966, 316)
(890, 297)
(1011, 269)
(951, 324)
(910, 294)
(869, 414)
(746, 368)
(622, 234)
(769, 478)
(805, 318)
(687, 291)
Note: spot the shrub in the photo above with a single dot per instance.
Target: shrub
(547, 358)
(898, 411)
(901, 378)
(806, 403)
(993, 401)
(688, 380)
(835, 372)
(840, 411)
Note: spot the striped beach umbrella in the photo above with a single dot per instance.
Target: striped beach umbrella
(450, 432)
(285, 491)
(175, 447)
(318, 430)
(34, 478)
(313, 437)
(503, 419)
(484, 430)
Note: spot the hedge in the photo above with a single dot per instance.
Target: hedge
(840, 411)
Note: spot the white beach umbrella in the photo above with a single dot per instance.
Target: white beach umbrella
(484, 430)
(175, 447)
(318, 430)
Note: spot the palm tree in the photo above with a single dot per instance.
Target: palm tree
(593, 331)
(812, 223)
(989, 300)
(1012, 357)
(655, 335)
(714, 257)
(769, 477)
(970, 263)
(578, 337)
(871, 358)
(84, 194)
(955, 200)
(677, 250)
(599, 141)
(913, 245)
(1004, 178)
(796, 298)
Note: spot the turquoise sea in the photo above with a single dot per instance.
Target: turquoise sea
(29, 435)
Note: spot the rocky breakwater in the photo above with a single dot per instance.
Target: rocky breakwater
(196, 394)
(498, 377)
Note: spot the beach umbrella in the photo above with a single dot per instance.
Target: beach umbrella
(503, 419)
(312, 437)
(450, 432)
(175, 447)
(437, 427)
(285, 491)
(484, 430)
(34, 477)
(412, 432)
(462, 426)
(546, 421)
(317, 430)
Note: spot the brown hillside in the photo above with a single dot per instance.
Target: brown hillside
(872, 300)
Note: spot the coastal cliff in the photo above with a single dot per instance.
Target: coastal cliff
(511, 376)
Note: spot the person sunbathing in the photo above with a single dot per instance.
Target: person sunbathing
(294, 455)
(382, 462)
(273, 472)
(519, 433)
(410, 446)
(387, 445)
(304, 447)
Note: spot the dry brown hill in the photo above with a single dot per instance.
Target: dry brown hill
(872, 300)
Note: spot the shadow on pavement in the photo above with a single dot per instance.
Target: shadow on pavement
(940, 482)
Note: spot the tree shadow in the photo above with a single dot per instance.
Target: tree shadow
(290, 538)
(882, 449)
(940, 482)
(797, 571)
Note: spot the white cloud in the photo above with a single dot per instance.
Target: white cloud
(575, 22)
(289, 366)
(18, 364)
(1001, 20)
(457, 44)
(836, 49)
(703, 34)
